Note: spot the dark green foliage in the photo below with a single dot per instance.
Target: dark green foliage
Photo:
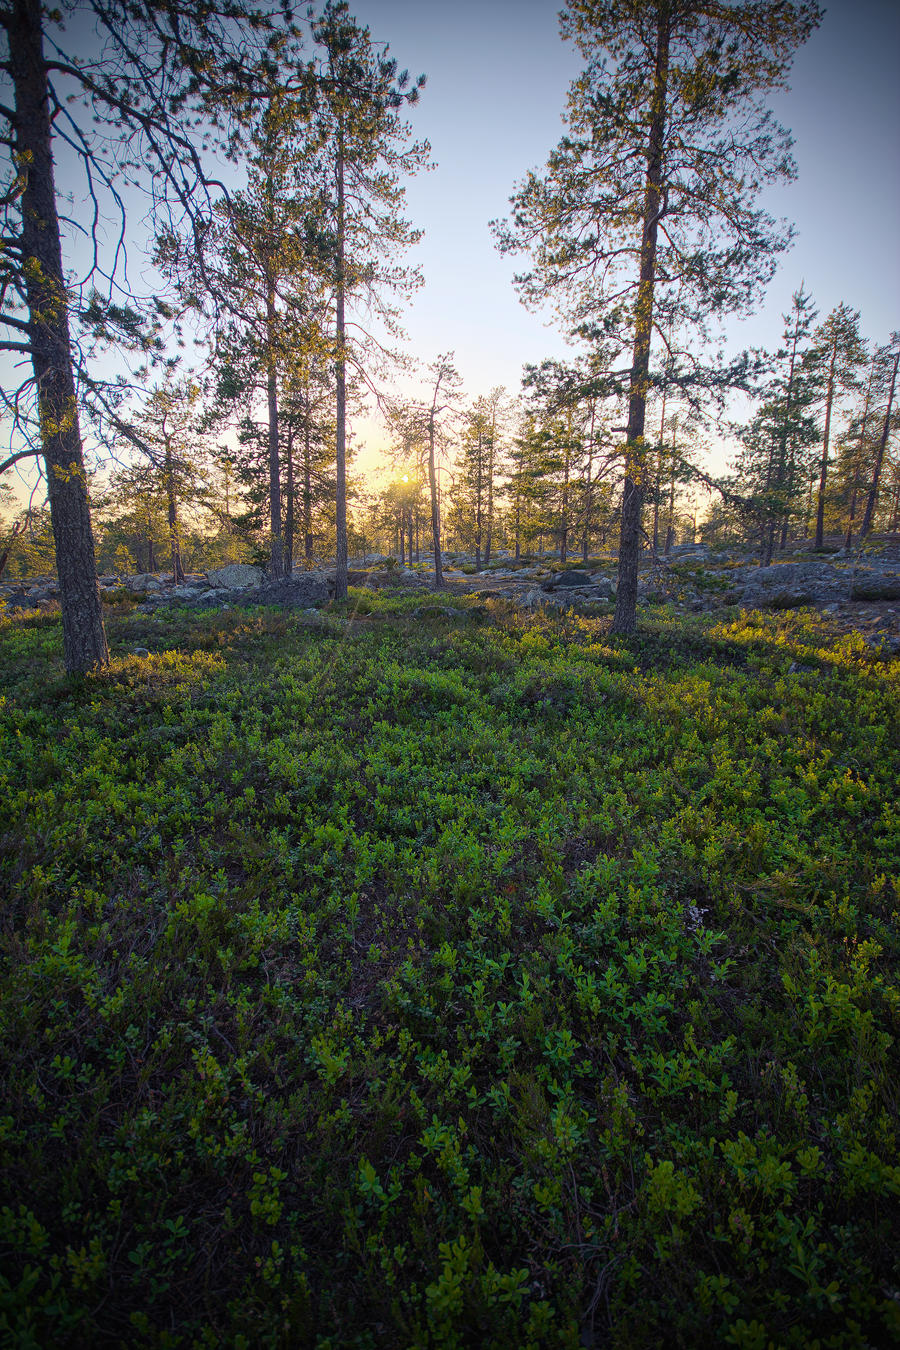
(419, 984)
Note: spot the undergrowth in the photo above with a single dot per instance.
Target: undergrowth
(478, 981)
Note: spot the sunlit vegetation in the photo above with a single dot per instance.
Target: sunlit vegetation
(465, 981)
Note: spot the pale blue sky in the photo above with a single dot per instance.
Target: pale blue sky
(498, 73)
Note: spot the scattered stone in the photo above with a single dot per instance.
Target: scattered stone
(139, 651)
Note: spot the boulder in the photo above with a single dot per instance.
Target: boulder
(874, 587)
(786, 585)
(302, 590)
(235, 577)
(563, 580)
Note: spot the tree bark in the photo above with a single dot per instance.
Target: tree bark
(84, 638)
(625, 616)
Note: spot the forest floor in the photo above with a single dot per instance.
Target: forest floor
(473, 980)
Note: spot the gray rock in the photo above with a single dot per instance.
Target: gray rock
(139, 651)
(235, 577)
(873, 587)
(302, 590)
(563, 580)
(19, 600)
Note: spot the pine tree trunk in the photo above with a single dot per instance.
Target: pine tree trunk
(340, 578)
(172, 504)
(490, 491)
(307, 492)
(658, 480)
(276, 551)
(869, 515)
(860, 449)
(478, 490)
(588, 489)
(289, 507)
(564, 514)
(435, 513)
(823, 475)
(84, 638)
(625, 616)
(670, 529)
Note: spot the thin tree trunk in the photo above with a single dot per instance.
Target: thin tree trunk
(478, 491)
(490, 488)
(276, 550)
(564, 522)
(289, 507)
(869, 516)
(84, 638)
(307, 490)
(340, 579)
(589, 487)
(518, 525)
(823, 474)
(670, 530)
(625, 616)
(432, 489)
(172, 503)
(857, 462)
(658, 480)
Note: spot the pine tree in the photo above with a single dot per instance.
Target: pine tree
(134, 107)
(889, 361)
(650, 199)
(365, 150)
(838, 350)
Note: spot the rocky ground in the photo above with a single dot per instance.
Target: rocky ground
(858, 590)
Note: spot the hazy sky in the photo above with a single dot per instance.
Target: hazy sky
(498, 73)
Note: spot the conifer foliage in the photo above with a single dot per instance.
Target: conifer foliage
(648, 207)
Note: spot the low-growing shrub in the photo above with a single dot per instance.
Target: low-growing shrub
(449, 984)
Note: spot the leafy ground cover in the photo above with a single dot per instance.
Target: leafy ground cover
(469, 982)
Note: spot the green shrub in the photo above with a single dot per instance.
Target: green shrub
(482, 985)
